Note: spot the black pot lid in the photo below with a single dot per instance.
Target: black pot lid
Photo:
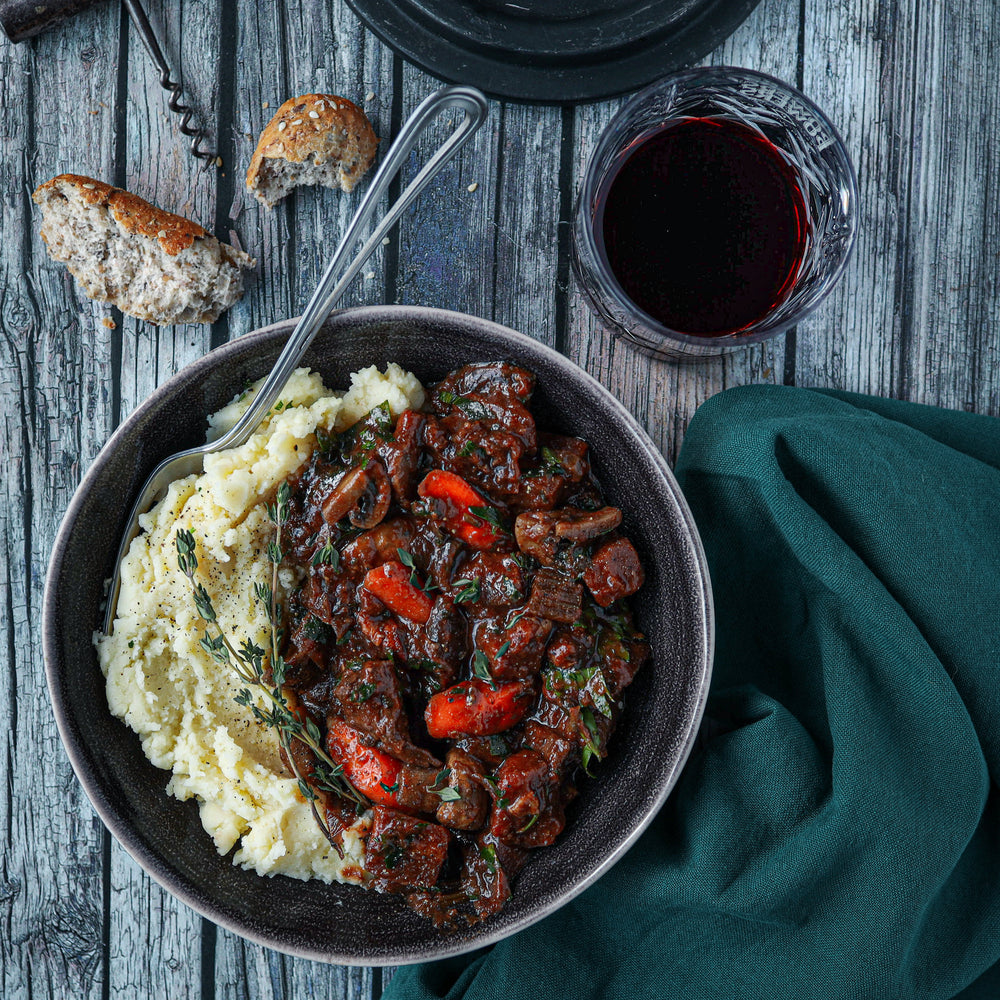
(553, 51)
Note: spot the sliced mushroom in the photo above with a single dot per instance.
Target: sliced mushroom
(344, 496)
(363, 494)
(373, 503)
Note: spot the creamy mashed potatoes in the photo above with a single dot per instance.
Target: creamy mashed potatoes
(170, 691)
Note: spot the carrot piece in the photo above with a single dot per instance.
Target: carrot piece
(371, 772)
(473, 708)
(390, 583)
(440, 484)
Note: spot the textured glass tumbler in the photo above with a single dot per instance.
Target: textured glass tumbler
(800, 134)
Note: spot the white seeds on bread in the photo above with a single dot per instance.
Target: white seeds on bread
(150, 263)
(324, 140)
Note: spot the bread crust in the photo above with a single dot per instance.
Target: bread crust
(320, 128)
(152, 264)
(136, 216)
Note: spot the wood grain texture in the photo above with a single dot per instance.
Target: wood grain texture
(57, 403)
(911, 86)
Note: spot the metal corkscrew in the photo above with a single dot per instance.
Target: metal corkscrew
(21, 19)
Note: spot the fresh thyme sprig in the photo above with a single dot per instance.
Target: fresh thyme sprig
(265, 671)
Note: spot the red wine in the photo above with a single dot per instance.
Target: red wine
(704, 226)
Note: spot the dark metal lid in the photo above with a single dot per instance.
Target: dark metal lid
(553, 51)
(20, 19)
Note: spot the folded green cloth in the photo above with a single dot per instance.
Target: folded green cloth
(836, 832)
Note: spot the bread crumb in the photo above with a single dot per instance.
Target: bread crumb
(265, 104)
(369, 275)
(385, 241)
(370, 96)
(473, 187)
(109, 322)
(218, 161)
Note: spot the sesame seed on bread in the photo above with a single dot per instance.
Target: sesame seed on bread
(152, 264)
(313, 139)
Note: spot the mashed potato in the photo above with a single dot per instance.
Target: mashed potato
(170, 691)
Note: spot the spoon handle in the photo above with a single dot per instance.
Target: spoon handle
(336, 278)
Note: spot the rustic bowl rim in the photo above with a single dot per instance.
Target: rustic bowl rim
(150, 861)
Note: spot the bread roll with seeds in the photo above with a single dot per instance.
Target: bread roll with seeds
(150, 263)
(313, 139)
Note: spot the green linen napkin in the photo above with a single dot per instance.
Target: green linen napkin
(836, 832)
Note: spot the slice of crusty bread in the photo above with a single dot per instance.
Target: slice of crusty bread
(151, 264)
(313, 139)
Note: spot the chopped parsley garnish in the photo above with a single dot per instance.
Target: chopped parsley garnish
(517, 617)
(551, 462)
(441, 788)
(592, 680)
(489, 854)
(481, 668)
(490, 515)
(316, 630)
(470, 589)
(591, 748)
(362, 692)
(327, 556)
(470, 407)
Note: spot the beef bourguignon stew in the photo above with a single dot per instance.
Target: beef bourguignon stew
(461, 635)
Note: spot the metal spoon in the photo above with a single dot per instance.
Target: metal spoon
(331, 287)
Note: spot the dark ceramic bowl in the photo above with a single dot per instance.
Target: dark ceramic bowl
(339, 923)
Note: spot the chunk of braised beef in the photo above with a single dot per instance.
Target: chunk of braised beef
(569, 648)
(380, 544)
(490, 750)
(539, 491)
(614, 572)
(488, 867)
(516, 651)
(567, 456)
(444, 638)
(621, 655)
(583, 726)
(496, 380)
(552, 536)
(308, 642)
(328, 596)
(444, 559)
(367, 697)
(487, 457)
(527, 808)
(555, 596)
(413, 793)
(401, 456)
(492, 580)
(560, 753)
(492, 396)
(379, 626)
(465, 778)
(404, 852)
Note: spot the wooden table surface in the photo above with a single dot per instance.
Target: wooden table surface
(912, 85)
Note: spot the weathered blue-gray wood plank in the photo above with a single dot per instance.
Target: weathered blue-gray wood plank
(58, 403)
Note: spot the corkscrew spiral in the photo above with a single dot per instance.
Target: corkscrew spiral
(174, 88)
